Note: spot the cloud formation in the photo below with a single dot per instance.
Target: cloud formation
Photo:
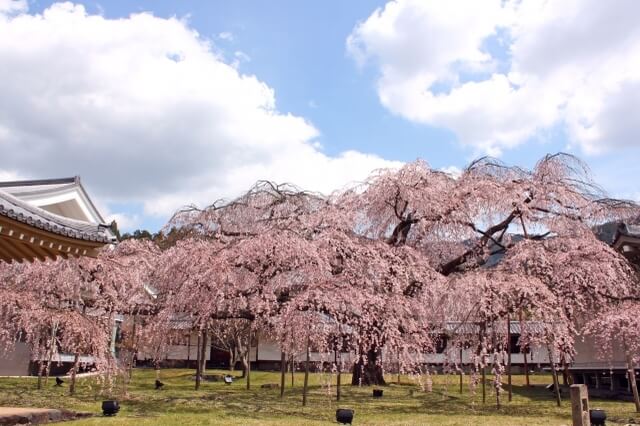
(146, 110)
(498, 73)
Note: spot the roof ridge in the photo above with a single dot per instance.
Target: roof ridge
(35, 182)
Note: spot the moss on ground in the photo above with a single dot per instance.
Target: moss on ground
(216, 403)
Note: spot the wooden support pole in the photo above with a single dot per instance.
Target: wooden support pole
(249, 359)
(632, 378)
(74, 371)
(283, 371)
(339, 368)
(306, 376)
(292, 372)
(556, 385)
(461, 378)
(509, 386)
(198, 377)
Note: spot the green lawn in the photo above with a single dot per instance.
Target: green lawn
(217, 403)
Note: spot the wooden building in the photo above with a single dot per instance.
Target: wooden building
(46, 219)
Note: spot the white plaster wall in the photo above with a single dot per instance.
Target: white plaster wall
(15, 362)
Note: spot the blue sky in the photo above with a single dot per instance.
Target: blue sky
(343, 68)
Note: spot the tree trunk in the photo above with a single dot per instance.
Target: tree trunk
(198, 376)
(40, 371)
(556, 384)
(306, 377)
(632, 380)
(52, 344)
(283, 372)
(74, 371)
(566, 377)
(367, 372)
(203, 354)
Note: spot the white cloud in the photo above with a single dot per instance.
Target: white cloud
(12, 6)
(498, 73)
(145, 110)
(452, 171)
(226, 35)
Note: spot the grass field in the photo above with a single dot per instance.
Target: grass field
(217, 403)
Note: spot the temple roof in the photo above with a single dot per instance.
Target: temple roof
(20, 211)
(49, 218)
(627, 241)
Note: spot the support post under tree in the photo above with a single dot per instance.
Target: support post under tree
(484, 382)
(460, 368)
(249, 358)
(339, 370)
(524, 349)
(509, 358)
(74, 371)
(306, 376)
(631, 376)
(554, 371)
(198, 376)
(283, 371)
(292, 372)
(398, 366)
(133, 348)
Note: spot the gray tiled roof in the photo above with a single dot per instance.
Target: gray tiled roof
(630, 230)
(29, 187)
(20, 211)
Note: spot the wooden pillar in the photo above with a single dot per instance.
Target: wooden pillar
(597, 380)
(580, 405)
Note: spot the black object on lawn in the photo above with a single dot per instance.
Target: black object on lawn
(344, 416)
(228, 379)
(159, 384)
(377, 393)
(59, 381)
(597, 417)
(552, 388)
(110, 408)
